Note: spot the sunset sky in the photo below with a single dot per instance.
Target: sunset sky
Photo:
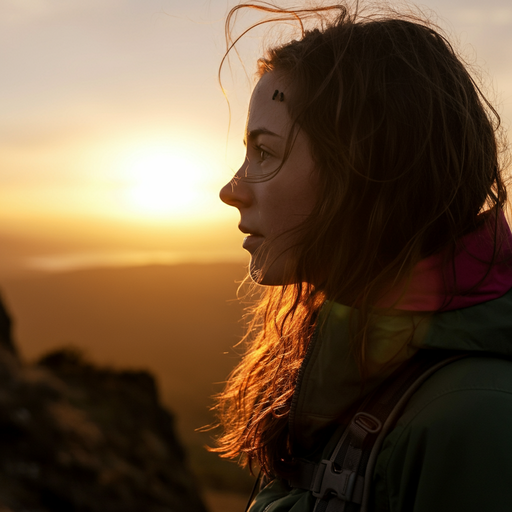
(114, 131)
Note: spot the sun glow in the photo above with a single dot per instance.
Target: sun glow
(162, 182)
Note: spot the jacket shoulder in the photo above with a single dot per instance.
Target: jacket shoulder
(451, 448)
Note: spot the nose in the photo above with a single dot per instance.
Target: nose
(236, 193)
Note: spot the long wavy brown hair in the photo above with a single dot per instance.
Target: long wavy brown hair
(408, 153)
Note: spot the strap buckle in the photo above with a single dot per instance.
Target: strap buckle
(368, 422)
(328, 480)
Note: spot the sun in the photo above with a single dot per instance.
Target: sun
(162, 182)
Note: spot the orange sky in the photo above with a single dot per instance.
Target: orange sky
(113, 133)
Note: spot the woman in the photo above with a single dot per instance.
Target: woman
(372, 198)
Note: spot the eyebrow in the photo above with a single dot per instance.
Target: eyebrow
(253, 134)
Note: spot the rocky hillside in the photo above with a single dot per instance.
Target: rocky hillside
(77, 438)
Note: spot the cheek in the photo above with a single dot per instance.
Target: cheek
(304, 184)
(305, 194)
(286, 200)
(278, 212)
(292, 207)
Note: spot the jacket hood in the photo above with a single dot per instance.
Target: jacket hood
(330, 386)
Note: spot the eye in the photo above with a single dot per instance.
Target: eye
(263, 154)
(259, 161)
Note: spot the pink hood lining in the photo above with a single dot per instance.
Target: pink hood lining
(466, 280)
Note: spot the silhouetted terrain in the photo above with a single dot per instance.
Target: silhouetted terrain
(78, 438)
(179, 322)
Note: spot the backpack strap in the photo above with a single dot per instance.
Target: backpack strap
(343, 482)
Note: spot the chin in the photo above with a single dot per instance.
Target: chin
(272, 275)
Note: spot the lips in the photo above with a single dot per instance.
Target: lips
(248, 231)
(253, 239)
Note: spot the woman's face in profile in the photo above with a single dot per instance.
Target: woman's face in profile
(270, 209)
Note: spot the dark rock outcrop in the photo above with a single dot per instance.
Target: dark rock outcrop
(77, 438)
(6, 340)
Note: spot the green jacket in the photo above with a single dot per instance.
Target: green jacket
(451, 449)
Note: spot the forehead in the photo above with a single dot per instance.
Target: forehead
(265, 113)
